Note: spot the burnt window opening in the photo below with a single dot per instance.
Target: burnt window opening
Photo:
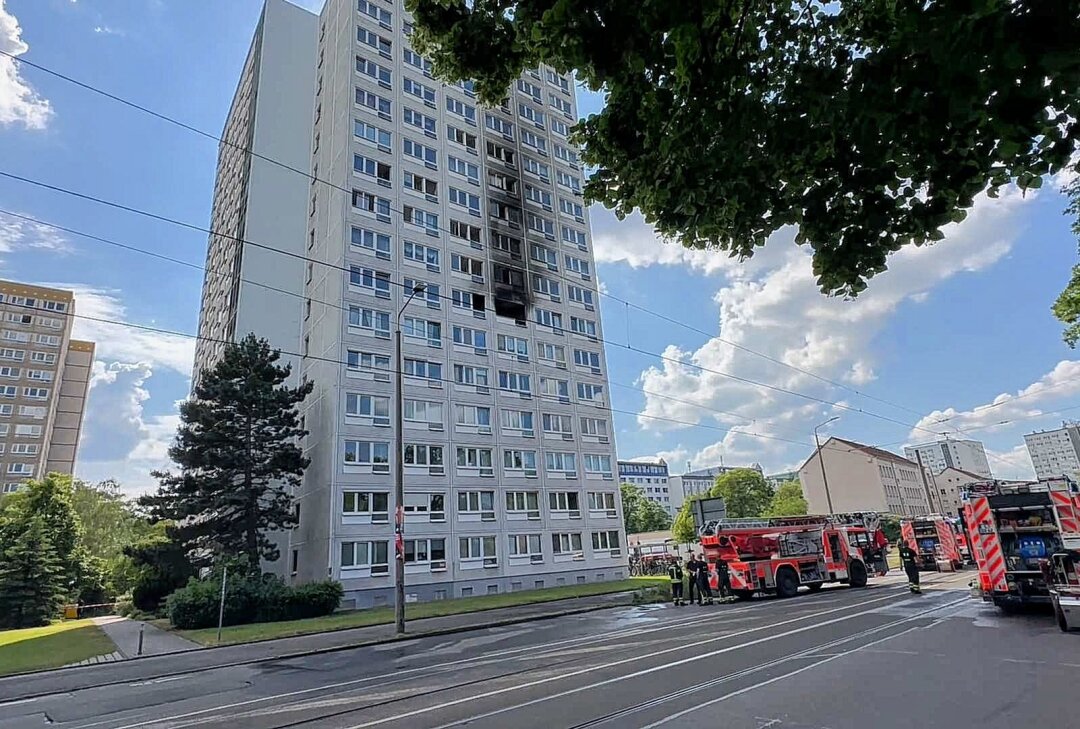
(511, 293)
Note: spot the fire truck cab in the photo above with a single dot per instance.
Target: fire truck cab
(777, 555)
(933, 538)
(1014, 530)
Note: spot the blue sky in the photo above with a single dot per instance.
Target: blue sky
(947, 338)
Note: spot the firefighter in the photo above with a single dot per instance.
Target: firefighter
(692, 575)
(724, 588)
(675, 573)
(910, 561)
(703, 581)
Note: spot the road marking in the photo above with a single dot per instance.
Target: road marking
(632, 659)
(489, 659)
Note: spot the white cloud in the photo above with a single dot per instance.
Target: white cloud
(1011, 464)
(19, 234)
(108, 30)
(19, 102)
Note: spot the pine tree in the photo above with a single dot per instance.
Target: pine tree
(31, 579)
(238, 451)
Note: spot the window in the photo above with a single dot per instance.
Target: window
(577, 265)
(421, 185)
(474, 415)
(461, 137)
(421, 218)
(372, 504)
(373, 102)
(538, 168)
(19, 318)
(460, 108)
(569, 181)
(468, 300)
(501, 211)
(372, 204)
(419, 90)
(515, 460)
(522, 504)
(544, 285)
(20, 469)
(557, 80)
(573, 237)
(506, 243)
(367, 453)
(427, 255)
(587, 391)
(372, 320)
(376, 282)
(417, 61)
(602, 501)
(585, 358)
(12, 372)
(30, 411)
(501, 153)
(554, 388)
(368, 406)
(422, 369)
(373, 39)
(432, 504)
(531, 139)
(366, 360)
(9, 391)
(367, 67)
(565, 543)
(423, 329)
(379, 243)
(547, 318)
(476, 338)
(470, 375)
(605, 540)
(468, 457)
(423, 411)
(465, 200)
(366, 555)
(583, 326)
(423, 122)
(28, 431)
(373, 11)
(597, 464)
(530, 89)
(519, 420)
(559, 127)
(425, 552)
(500, 125)
(525, 545)
(541, 225)
(580, 295)
(417, 454)
(14, 354)
(562, 104)
(536, 117)
(477, 551)
(469, 170)
(515, 382)
(420, 152)
(571, 208)
(566, 155)
(466, 265)
(477, 502)
(559, 462)
(543, 254)
(36, 393)
(465, 231)
(538, 196)
(558, 424)
(513, 345)
(554, 354)
(564, 501)
(49, 340)
(53, 306)
(16, 336)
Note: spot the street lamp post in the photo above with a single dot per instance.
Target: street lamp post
(821, 460)
(399, 472)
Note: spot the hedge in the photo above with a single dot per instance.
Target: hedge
(262, 599)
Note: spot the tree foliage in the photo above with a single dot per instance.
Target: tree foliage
(110, 522)
(160, 565)
(239, 456)
(641, 514)
(869, 124)
(31, 577)
(1067, 306)
(683, 529)
(788, 500)
(50, 499)
(745, 492)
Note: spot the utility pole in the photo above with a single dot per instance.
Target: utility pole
(926, 485)
(399, 473)
(821, 460)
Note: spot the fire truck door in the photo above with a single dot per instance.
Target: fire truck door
(837, 563)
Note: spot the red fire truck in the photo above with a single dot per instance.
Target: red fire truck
(1014, 529)
(933, 538)
(777, 555)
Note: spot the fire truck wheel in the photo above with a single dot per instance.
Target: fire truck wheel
(815, 586)
(857, 574)
(787, 582)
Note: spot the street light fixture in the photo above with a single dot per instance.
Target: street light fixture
(821, 460)
(399, 472)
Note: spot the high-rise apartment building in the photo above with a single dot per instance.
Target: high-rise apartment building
(651, 477)
(44, 378)
(963, 455)
(1055, 453)
(508, 447)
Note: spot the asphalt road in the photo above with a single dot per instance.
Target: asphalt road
(841, 659)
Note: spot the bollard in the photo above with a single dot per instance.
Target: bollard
(142, 629)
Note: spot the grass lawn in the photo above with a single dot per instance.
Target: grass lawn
(59, 644)
(380, 616)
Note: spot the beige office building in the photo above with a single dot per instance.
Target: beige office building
(862, 478)
(44, 378)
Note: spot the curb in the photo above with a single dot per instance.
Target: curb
(300, 654)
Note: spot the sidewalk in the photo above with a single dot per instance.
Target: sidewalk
(155, 641)
(25, 686)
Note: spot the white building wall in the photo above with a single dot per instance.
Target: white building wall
(1055, 452)
(861, 481)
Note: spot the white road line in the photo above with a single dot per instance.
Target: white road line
(487, 659)
(563, 676)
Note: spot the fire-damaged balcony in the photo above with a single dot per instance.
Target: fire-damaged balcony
(510, 292)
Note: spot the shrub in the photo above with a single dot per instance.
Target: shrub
(250, 599)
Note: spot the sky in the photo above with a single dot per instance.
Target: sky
(711, 360)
